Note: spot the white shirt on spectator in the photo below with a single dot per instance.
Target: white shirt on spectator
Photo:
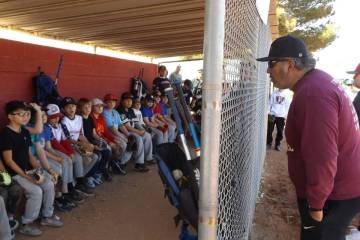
(279, 103)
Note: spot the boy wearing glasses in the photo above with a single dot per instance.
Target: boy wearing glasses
(15, 144)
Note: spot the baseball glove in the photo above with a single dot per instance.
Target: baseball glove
(131, 144)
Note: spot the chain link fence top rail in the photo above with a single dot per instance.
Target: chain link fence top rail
(243, 118)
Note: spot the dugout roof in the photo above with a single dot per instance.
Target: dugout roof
(154, 28)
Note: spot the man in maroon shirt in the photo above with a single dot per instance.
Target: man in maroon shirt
(323, 138)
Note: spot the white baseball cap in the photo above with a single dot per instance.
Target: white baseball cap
(97, 101)
(53, 111)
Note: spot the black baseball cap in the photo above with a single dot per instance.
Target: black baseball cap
(286, 47)
(149, 98)
(67, 101)
(126, 95)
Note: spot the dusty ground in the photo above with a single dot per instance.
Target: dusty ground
(276, 216)
(130, 208)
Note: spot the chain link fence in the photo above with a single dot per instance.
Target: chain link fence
(243, 118)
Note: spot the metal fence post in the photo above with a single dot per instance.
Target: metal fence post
(211, 117)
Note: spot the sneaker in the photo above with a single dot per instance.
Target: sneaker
(53, 221)
(151, 162)
(14, 224)
(60, 206)
(73, 199)
(119, 168)
(83, 190)
(29, 230)
(107, 176)
(277, 148)
(98, 179)
(141, 168)
(90, 182)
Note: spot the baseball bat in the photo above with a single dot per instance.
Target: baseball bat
(58, 70)
(170, 94)
(188, 117)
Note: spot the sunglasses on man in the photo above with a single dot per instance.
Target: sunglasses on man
(272, 63)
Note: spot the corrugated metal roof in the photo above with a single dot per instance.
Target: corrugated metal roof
(154, 28)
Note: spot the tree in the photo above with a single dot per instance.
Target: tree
(309, 20)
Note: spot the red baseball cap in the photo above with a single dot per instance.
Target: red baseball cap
(356, 71)
(109, 97)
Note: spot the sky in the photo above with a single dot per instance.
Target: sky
(344, 53)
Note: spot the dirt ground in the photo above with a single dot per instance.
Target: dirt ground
(132, 207)
(276, 216)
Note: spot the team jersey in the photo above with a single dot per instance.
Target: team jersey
(74, 126)
(146, 112)
(128, 116)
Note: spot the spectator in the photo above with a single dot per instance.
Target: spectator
(176, 76)
(279, 107)
(356, 78)
(161, 82)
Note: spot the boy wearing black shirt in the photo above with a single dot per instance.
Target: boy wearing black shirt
(15, 146)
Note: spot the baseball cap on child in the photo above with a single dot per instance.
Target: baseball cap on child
(53, 111)
(356, 71)
(126, 95)
(149, 98)
(67, 101)
(97, 101)
(109, 97)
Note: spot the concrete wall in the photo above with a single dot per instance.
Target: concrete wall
(82, 75)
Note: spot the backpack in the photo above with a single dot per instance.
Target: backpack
(183, 193)
(45, 90)
(138, 87)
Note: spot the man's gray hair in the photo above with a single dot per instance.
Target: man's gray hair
(305, 63)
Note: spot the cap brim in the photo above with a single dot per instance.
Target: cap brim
(54, 115)
(265, 59)
(353, 72)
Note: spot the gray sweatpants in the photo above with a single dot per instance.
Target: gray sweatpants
(125, 155)
(37, 195)
(65, 170)
(5, 231)
(159, 136)
(144, 151)
(171, 132)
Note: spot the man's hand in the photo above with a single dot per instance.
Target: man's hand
(317, 215)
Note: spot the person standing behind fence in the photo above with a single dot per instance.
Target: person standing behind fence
(161, 82)
(279, 107)
(323, 136)
(176, 76)
(356, 78)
